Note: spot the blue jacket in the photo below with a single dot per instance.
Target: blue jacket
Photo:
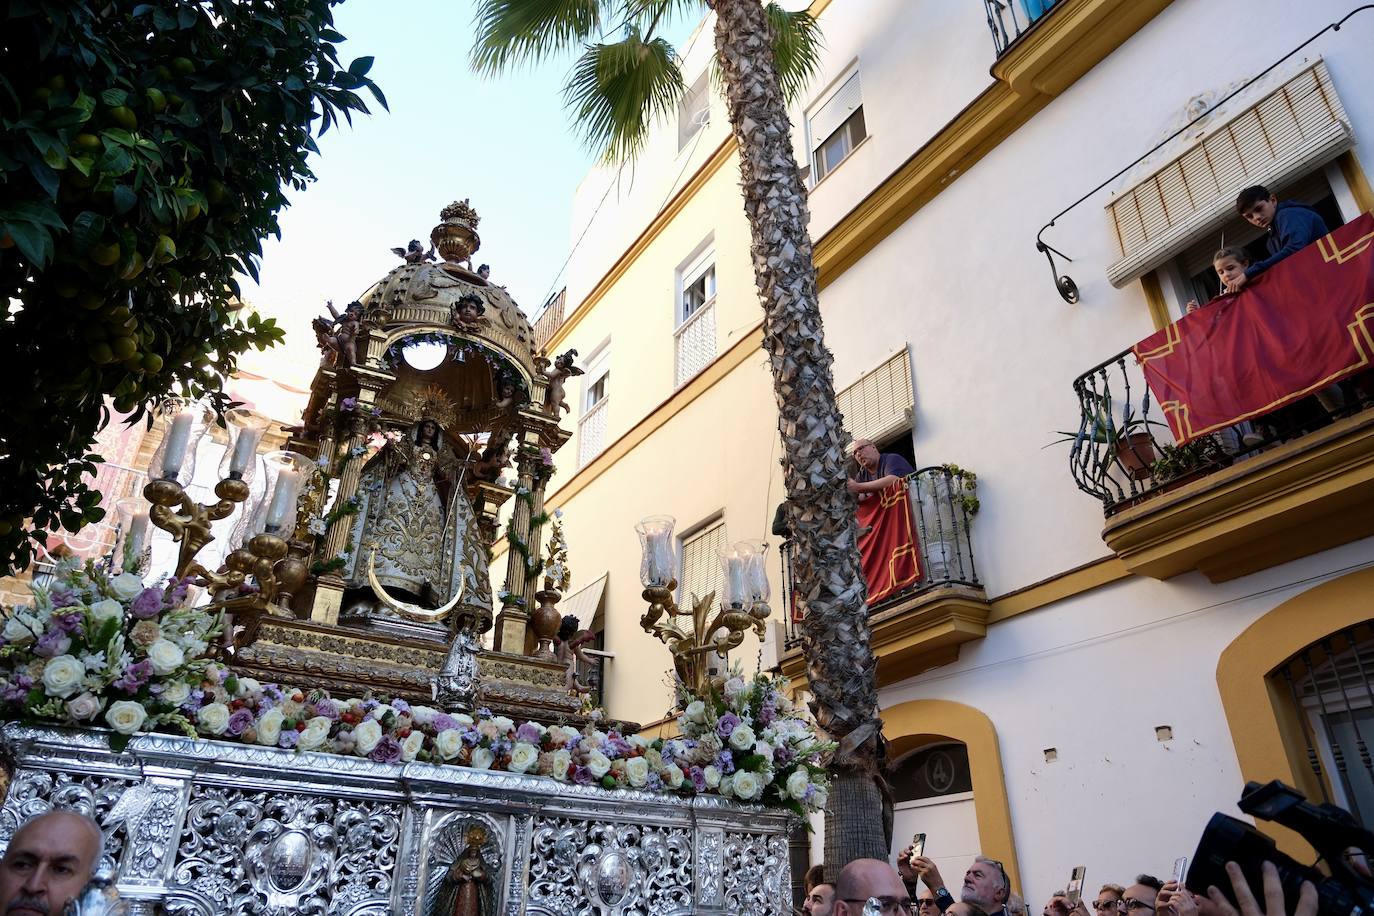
(1295, 226)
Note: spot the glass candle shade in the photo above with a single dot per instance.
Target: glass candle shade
(134, 523)
(658, 566)
(755, 555)
(733, 581)
(286, 477)
(246, 428)
(184, 422)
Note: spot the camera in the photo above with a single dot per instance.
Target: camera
(1329, 830)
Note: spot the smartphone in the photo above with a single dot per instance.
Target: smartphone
(918, 846)
(1074, 891)
(1180, 870)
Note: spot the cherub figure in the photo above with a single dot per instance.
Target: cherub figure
(506, 393)
(469, 310)
(494, 458)
(568, 650)
(563, 369)
(414, 253)
(484, 271)
(338, 337)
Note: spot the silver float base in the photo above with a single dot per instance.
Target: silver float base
(208, 828)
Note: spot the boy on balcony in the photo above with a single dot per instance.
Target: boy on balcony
(1290, 227)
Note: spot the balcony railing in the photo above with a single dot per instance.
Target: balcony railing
(1008, 20)
(1123, 451)
(591, 432)
(695, 342)
(943, 503)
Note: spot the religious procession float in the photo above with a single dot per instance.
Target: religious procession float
(324, 732)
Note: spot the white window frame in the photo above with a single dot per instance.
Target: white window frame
(814, 145)
(702, 262)
(598, 368)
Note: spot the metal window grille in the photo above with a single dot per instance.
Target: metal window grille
(879, 404)
(695, 342)
(700, 566)
(1298, 127)
(1330, 685)
(591, 432)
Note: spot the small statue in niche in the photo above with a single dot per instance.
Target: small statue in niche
(563, 369)
(469, 310)
(467, 889)
(414, 253)
(569, 652)
(339, 336)
(507, 393)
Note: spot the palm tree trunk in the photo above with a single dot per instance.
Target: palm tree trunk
(829, 580)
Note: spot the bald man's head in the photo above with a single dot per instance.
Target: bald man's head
(48, 862)
(864, 878)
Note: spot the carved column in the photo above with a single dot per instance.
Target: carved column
(329, 588)
(512, 622)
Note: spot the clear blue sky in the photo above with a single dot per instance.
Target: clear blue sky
(504, 143)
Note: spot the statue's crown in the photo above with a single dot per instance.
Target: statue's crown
(460, 209)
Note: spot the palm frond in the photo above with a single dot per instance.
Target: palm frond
(796, 48)
(617, 90)
(647, 14)
(511, 32)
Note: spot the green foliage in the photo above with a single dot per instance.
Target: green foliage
(144, 155)
(1174, 461)
(966, 483)
(618, 89)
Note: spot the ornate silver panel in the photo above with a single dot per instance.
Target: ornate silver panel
(203, 828)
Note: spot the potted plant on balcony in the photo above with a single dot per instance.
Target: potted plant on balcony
(953, 502)
(1178, 463)
(1128, 443)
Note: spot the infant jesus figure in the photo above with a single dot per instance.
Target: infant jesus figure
(569, 651)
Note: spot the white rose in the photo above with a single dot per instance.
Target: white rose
(734, 686)
(379, 711)
(83, 707)
(748, 786)
(764, 750)
(411, 745)
(483, 758)
(247, 685)
(213, 719)
(598, 737)
(269, 726)
(712, 776)
(673, 775)
(696, 711)
(366, 736)
(523, 757)
(17, 632)
(820, 798)
(462, 718)
(566, 731)
(126, 586)
(503, 724)
(448, 743)
(638, 741)
(166, 656)
(424, 715)
(797, 783)
(176, 693)
(742, 738)
(62, 676)
(598, 764)
(315, 733)
(537, 727)
(562, 762)
(727, 786)
(126, 716)
(637, 771)
(107, 609)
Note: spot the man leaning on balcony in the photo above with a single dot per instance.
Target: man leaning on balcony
(877, 471)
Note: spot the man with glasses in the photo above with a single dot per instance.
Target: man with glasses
(865, 879)
(986, 885)
(1139, 899)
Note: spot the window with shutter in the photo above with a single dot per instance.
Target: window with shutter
(700, 565)
(834, 127)
(879, 404)
(1292, 130)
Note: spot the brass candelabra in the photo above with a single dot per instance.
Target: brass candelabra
(693, 635)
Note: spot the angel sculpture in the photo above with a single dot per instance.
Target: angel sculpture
(563, 369)
(340, 335)
(414, 253)
(468, 310)
(569, 652)
(494, 458)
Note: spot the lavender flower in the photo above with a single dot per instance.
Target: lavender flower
(288, 738)
(239, 722)
(727, 724)
(654, 783)
(17, 689)
(69, 623)
(134, 677)
(179, 590)
(768, 711)
(388, 750)
(52, 644)
(443, 722)
(147, 604)
(529, 733)
(348, 404)
(725, 763)
(401, 706)
(698, 777)
(62, 596)
(327, 709)
(582, 776)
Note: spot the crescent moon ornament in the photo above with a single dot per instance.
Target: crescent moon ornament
(405, 609)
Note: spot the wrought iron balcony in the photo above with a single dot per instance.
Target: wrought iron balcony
(1123, 451)
(943, 502)
(1008, 20)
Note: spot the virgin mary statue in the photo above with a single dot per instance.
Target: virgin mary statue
(418, 533)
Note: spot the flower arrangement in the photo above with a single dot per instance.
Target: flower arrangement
(100, 648)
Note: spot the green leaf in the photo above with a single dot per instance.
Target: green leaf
(360, 66)
(114, 97)
(124, 198)
(86, 230)
(33, 241)
(616, 92)
(797, 48)
(115, 162)
(512, 32)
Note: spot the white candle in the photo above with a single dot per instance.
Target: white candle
(138, 532)
(178, 437)
(283, 499)
(736, 567)
(661, 555)
(245, 449)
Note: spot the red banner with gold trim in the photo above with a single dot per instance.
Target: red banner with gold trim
(1305, 323)
(891, 560)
